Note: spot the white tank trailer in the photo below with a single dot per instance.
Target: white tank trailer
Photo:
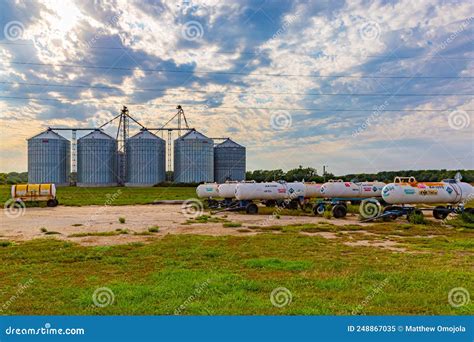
(341, 189)
(269, 191)
(409, 191)
(207, 190)
(313, 190)
(406, 190)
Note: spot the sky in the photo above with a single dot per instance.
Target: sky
(358, 86)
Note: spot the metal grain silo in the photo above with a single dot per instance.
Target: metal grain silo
(49, 159)
(96, 160)
(193, 158)
(229, 161)
(145, 153)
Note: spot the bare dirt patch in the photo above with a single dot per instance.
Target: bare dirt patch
(138, 218)
(385, 244)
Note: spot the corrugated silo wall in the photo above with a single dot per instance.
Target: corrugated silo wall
(193, 161)
(145, 162)
(229, 163)
(96, 162)
(49, 161)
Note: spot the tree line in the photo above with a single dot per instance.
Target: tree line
(310, 174)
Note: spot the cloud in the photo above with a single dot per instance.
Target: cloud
(222, 55)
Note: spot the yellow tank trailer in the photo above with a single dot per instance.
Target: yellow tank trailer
(35, 193)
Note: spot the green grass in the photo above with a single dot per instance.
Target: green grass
(78, 196)
(232, 224)
(108, 233)
(236, 274)
(154, 229)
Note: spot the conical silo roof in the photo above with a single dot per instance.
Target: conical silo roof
(48, 134)
(228, 143)
(97, 135)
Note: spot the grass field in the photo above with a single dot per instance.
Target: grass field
(77, 196)
(206, 275)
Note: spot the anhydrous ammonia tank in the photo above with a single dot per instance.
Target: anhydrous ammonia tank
(295, 190)
(269, 191)
(313, 190)
(409, 191)
(341, 189)
(260, 191)
(207, 190)
(227, 189)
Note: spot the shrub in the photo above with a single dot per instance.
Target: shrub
(122, 220)
(43, 229)
(416, 217)
(154, 229)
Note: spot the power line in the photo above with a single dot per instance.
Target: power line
(221, 91)
(254, 53)
(240, 107)
(237, 73)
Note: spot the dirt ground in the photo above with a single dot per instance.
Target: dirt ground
(138, 218)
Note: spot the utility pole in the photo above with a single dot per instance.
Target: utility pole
(324, 173)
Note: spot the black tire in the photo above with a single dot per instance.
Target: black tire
(56, 202)
(270, 203)
(319, 209)
(440, 212)
(251, 209)
(469, 211)
(292, 205)
(51, 203)
(339, 211)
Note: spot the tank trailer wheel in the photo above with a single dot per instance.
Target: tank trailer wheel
(319, 209)
(339, 211)
(440, 212)
(52, 203)
(270, 203)
(251, 209)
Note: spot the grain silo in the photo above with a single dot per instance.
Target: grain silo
(49, 158)
(96, 160)
(145, 153)
(193, 158)
(229, 161)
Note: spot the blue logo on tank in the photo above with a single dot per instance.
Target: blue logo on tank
(449, 190)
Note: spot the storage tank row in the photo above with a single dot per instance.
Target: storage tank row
(98, 161)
